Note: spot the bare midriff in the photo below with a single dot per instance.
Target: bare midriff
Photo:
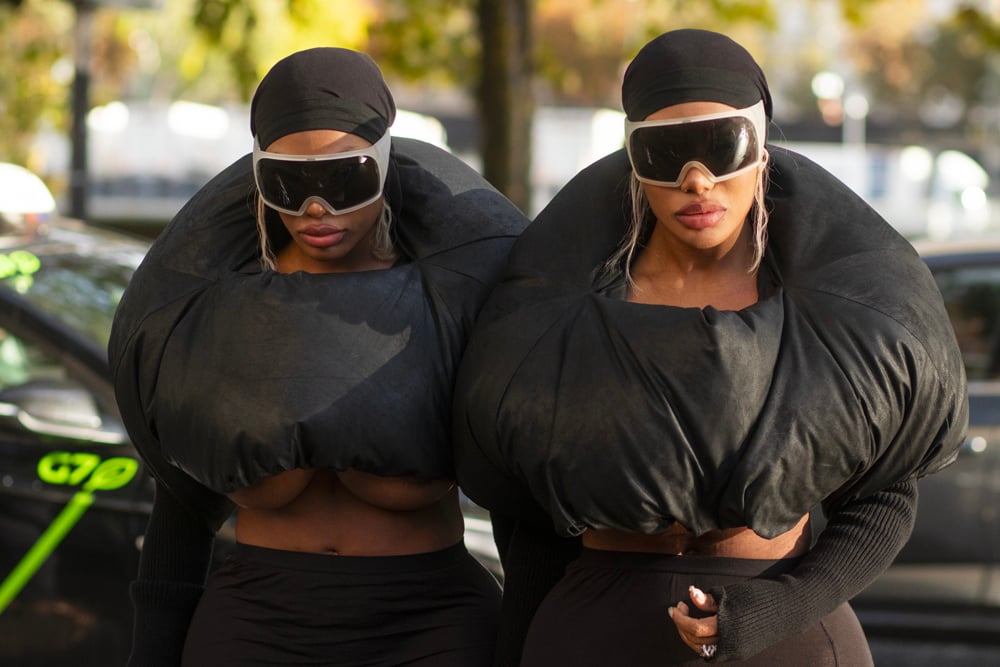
(732, 542)
(348, 513)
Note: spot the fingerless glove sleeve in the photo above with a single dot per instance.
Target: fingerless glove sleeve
(861, 539)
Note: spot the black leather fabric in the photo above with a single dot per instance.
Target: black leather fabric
(225, 374)
(843, 379)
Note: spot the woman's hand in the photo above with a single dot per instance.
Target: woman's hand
(697, 633)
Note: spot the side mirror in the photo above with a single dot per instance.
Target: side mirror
(59, 409)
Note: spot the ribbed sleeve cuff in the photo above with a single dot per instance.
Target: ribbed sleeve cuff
(860, 541)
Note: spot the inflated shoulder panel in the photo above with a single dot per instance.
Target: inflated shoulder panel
(597, 412)
(226, 375)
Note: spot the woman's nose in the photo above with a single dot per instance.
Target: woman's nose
(696, 181)
(315, 209)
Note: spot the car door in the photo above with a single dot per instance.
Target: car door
(73, 497)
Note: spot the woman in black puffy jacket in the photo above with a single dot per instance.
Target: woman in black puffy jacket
(698, 342)
(287, 349)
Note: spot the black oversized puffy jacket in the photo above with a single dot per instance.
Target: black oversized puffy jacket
(225, 373)
(588, 411)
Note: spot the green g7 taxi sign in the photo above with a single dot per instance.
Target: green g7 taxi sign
(85, 470)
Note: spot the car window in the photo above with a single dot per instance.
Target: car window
(22, 362)
(972, 298)
(81, 290)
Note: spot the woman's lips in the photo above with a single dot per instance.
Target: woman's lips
(700, 215)
(322, 236)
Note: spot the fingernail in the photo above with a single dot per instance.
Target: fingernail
(697, 594)
(670, 612)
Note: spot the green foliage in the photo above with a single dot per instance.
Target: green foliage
(215, 51)
(855, 12)
(31, 93)
(580, 50)
(984, 27)
(429, 40)
(228, 25)
(253, 34)
(732, 11)
(721, 15)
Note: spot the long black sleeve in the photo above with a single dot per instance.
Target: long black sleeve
(534, 559)
(176, 553)
(860, 541)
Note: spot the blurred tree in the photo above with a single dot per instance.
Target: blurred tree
(577, 61)
(439, 41)
(929, 78)
(214, 51)
(583, 52)
(251, 35)
(202, 50)
(32, 92)
(985, 117)
(504, 96)
(552, 51)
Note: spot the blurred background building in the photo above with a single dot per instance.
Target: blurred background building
(899, 98)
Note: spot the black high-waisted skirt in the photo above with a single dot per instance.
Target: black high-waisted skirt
(610, 608)
(274, 607)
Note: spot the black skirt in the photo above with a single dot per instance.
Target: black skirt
(274, 607)
(610, 608)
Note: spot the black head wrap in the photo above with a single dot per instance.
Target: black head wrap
(692, 66)
(322, 89)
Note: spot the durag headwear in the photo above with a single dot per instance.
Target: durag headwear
(324, 88)
(692, 66)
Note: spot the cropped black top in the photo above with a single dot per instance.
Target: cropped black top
(226, 374)
(843, 379)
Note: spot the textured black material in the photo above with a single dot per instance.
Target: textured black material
(286, 608)
(860, 540)
(614, 604)
(597, 412)
(534, 559)
(690, 65)
(226, 374)
(323, 88)
(175, 556)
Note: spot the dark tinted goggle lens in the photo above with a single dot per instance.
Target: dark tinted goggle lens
(341, 182)
(722, 145)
